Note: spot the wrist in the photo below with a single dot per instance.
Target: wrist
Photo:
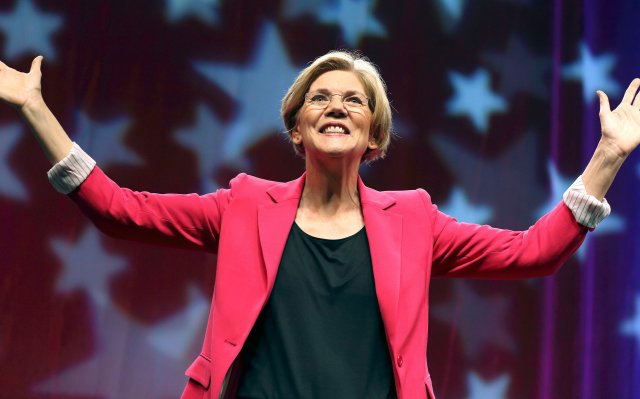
(33, 104)
(610, 151)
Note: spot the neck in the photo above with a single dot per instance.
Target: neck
(330, 186)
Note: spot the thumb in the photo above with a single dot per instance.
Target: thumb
(604, 102)
(36, 64)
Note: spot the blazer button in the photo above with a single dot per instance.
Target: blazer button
(399, 360)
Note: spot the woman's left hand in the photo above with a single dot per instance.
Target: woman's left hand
(621, 127)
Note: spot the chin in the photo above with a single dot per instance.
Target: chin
(340, 153)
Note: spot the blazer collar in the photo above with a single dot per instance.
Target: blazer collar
(369, 196)
(384, 231)
(281, 192)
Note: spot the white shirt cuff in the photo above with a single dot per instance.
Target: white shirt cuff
(71, 171)
(587, 209)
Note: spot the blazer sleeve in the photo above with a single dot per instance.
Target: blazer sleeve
(475, 251)
(188, 221)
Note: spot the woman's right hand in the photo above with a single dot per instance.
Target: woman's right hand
(23, 91)
(19, 88)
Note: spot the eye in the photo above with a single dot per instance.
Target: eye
(318, 98)
(355, 100)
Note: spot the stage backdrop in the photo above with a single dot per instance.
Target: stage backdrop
(495, 115)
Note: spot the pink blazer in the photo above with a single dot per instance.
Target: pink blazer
(248, 224)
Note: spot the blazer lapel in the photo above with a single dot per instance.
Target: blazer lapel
(384, 231)
(274, 223)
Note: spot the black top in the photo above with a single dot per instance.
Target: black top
(320, 334)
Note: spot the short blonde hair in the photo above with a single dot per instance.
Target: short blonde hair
(375, 90)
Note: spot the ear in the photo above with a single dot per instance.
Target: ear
(372, 144)
(296, 137)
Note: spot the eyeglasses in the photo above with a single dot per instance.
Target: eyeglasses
(321, 99)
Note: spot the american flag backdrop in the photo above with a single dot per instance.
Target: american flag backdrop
(495, 115)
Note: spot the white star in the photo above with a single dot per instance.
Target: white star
(473, 98)
(459, 207)
(204, 138)
(613, 224)
(295, 8)
(450, 12)
(123, 364)
(559, 184)
(453, 7)
(259, 88)
(105, 140)
(631, 326)
(594, 72)
(175, 336)
(520, 71)
(86, 266)
(27, 31)
(204, 10)
(481, 389)
(355, 19)
(508, 183)
(10, 185)
(479, 320)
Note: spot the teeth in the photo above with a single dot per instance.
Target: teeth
(333, 129)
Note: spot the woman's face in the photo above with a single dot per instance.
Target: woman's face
(337, 130)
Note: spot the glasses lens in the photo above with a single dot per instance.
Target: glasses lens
(318, 99)
(354, 101)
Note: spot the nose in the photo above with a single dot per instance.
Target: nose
(335, 106)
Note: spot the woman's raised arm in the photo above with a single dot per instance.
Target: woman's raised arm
(620, 136)
(24, 91)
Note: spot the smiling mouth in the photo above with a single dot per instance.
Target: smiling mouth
(334, 130)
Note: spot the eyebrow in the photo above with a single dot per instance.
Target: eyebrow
(346, 93)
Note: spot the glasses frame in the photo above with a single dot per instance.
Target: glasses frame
(309, 95)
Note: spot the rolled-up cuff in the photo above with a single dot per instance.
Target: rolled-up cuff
(71, 171)
(587, 209)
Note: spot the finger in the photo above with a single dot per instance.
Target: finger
(636, 102)
(631, 91)
(604, 102)
(36, 64)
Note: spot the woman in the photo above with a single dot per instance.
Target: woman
(346, 315)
